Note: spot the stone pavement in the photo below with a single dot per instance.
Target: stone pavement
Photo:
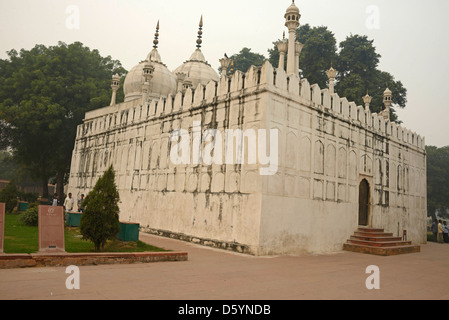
(212, 274)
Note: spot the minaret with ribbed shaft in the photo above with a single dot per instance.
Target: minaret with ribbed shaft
(115, 85)
(282, 48)
(292, 17)
(388, 95)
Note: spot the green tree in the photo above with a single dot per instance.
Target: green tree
(8, 169)
(100, 221)
(44, 95)
(243, 60)
(319, 52)
(358, 74)
(357, 56)
(437, 180)
(357, 63)
(8, 196)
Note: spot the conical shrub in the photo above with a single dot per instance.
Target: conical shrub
(100, 221)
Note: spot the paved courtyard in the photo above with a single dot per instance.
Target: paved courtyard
(212, 274)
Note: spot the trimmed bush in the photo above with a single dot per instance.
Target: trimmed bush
(9, 197)
(31, 216)
(100, 221)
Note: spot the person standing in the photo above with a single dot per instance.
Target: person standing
(440, 231)
(445, 232)
(435, 230)
(55, 202)
(80, 204)
(68, 203)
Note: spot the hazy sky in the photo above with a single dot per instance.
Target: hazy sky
(410, 35)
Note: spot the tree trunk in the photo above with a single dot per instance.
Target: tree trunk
(60, 183)
(45, 194)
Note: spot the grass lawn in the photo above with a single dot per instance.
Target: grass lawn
(20, 238)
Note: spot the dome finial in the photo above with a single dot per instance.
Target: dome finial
(156, 36)
(200, 34)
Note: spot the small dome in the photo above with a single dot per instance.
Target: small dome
(293, 9)
(198, 71)
(162, 84)
(388, 92)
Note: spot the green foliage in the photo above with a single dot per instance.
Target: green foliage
(31, 216)
(100, 221)
(437, 180)
(319, 53)
(320, 50)
(8, 168)
(245, 59)
(9, 196)
(356, 62)
(29, 197)
(20, 238)
(44, 95)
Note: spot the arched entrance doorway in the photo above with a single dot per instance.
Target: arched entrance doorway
(364, 196)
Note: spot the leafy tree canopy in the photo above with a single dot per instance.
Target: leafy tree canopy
(357, 62)
(44, 95)
(243, 60)
(437, 181)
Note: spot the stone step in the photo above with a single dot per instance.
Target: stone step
(373, 234)
(363, 229)
(376, 239)
(380, 243)
(382, 251)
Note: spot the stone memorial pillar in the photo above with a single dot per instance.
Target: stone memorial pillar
(51, 229)
(2, 227)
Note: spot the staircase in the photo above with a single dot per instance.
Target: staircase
(377, 242)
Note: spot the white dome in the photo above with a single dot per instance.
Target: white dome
(162, 84)
(198, 71)
(293, 9)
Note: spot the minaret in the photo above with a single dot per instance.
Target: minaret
(282, 48)
(225, 64)
(181, 76)
(292, 17)
(367, 100)
(331, 74)
(388, 95)
(115, 85)
(148, 71)
(299, 47)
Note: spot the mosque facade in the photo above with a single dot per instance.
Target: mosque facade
(260, 162)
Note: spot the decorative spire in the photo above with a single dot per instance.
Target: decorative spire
(115, 85)
(225, 64)
(388, 96)
(200, 34)
(292, 17)
(282, 48)
(156, 36)
(367, 100)
(331, 74)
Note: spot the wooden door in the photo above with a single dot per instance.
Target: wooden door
(364, 196)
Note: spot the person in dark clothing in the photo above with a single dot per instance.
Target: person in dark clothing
(445, 232)
(435, 230)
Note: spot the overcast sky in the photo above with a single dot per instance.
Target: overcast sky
(411, 36)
